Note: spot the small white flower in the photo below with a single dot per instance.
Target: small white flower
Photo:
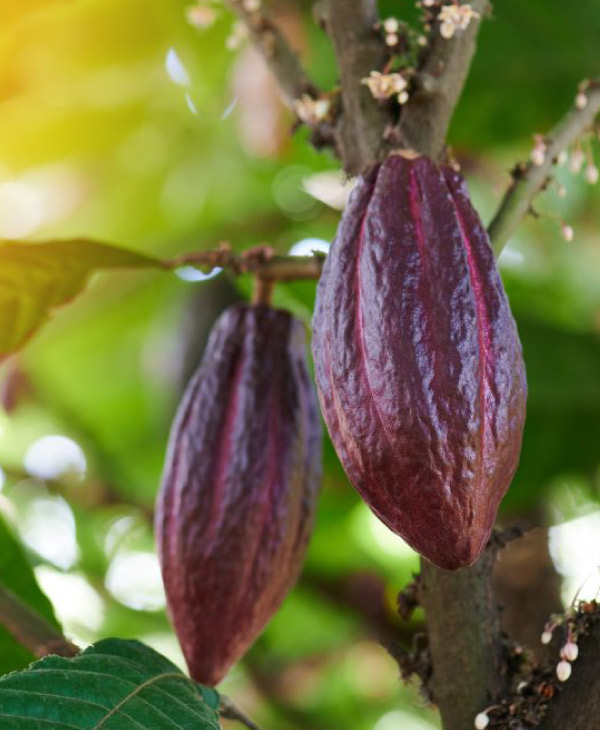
(422, 40)
(546, 637)
(428, 3)
(563, 671)
(563, 156)
(403, 97)
(576, 161)
(482, 721)
(391, 39)
(581, 100)
(251, 6)
(591, 174)
(455, 17)
(568, 234)
(391, 25)
(570, 651)
(447, 30)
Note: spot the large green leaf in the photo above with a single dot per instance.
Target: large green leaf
(114, 685)
(35, 278)
(17, 575)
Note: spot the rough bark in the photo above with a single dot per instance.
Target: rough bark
(464, 640)
(359, 50)
(441, 78)
(577, 707)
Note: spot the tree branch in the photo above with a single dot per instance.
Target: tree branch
(530, 179)
(281, 59)
(260, 261)
(465, 647)
(30, 629)
(359, 50)
(440, 79)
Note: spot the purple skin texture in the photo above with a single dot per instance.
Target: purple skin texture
(242, 475)
(418, 362)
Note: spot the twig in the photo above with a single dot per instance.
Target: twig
(530, 179)
(281, 59)
(440, 80)
(261, 261)
(30, 629)
(263, 291)
(359, 50)
(230, 712)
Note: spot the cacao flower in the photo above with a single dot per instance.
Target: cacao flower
(418, 362)
(242, 473)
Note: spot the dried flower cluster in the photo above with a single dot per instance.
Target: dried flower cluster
(312, 111)
(454, 18)
(385, 86)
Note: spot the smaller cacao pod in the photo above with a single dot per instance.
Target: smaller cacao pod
(418, 361)
(239, 489)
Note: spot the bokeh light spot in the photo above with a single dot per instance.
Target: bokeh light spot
(55, 457)
(134, 579)
(307, 245)
(21, 209)
(48, 528)
(398, 719)
(191, 273)
(78, 607)
(575, 550)
(176, 70)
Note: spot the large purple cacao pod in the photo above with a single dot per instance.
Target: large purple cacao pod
(242, 473)
(418, 362)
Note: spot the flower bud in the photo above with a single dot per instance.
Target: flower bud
(563, 671)
(570, 651)
(482, 721)
(546, 637)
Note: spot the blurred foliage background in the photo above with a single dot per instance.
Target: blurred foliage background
(121, 121)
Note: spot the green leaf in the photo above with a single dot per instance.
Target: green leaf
(114, 685)
(35, 278)
(17, 575)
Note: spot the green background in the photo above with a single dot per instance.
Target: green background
(97, 140)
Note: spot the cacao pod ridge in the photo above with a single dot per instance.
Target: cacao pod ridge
(239, 489)
(418, 362)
